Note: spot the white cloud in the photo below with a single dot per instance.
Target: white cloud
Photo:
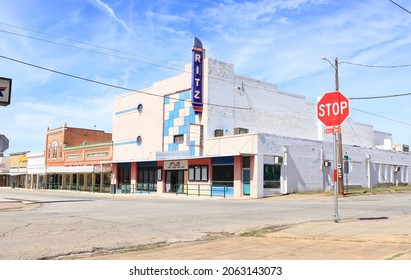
(106, 9)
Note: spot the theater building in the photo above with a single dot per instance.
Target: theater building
(209, 129)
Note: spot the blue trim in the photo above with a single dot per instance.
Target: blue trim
(167, 100)
(179, 105)
(126, 111)
(182, 129)
(125, 143)
(174, 114)
(147, 163)
(168, 123)
(218, 191)
(223, 160)
(172, 147)
(185, 94)
(124, 164)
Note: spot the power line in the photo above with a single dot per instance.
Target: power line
(102, 53)
(390, 119)
(157, 95)
(77, 42)
(376, 66)
(379, 97)
(113, 86)
(373, 114)
(398, 5)
(161, 65)
(105, 53)
(94, 51)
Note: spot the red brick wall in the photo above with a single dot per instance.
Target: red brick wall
(70, 137)
(76, 136)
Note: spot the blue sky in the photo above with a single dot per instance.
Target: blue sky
(276, 41)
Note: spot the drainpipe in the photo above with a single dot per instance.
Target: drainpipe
(368, 162)
(284, 185)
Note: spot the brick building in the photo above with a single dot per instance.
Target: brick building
(74, 156)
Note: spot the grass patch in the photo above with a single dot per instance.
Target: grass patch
(378, 190)
(356, 191)
(254, 233)
(396, 256)
(142, 247)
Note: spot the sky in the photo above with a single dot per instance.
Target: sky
(134, 43)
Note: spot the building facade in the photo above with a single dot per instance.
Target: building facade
(74, 159)
(209, 130)
(36, 171)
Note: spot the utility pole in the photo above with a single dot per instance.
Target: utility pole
(340, 180)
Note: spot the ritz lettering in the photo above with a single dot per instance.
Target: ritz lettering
(197, 81)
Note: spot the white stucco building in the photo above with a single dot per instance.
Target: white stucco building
(241, 133)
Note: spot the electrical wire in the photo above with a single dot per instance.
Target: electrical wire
(94, 51)
(379, 97)
(390, 119)
(162, 62)
(104, 53)
(375, 66)
(160, 65)
(398, 5)
(111, 85)
(156, 95)
(77, 42)
(373, 114)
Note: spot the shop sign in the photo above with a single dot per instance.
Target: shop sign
(197, 77)
(5, 91)
(175, 165)
(101, 168)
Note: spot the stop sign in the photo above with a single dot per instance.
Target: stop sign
(333, 108)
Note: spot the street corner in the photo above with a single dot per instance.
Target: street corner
(16, 205)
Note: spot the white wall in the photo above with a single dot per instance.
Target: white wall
(304, 168)
(271, 110)
(128, 123)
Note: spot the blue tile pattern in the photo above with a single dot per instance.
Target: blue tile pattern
(178, 116)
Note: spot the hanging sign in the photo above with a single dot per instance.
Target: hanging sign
(197, 77)
(5, 91)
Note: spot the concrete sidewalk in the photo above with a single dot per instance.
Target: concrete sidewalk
(374, 238)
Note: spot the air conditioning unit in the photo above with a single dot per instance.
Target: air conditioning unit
(240, 130)
(218, 133)
(396, 168)
(327, 163)
(278, 160)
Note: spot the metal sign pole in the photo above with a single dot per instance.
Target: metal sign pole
(335, 180)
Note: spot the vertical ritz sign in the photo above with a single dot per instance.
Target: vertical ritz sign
(197, 77)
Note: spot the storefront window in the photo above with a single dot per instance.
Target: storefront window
(147, 178)
(198, 173)
(223, 175)
(272, 174)
(124, 175)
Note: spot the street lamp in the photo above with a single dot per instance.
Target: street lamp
(339, 135)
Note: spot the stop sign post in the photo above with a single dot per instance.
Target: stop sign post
(332, 109)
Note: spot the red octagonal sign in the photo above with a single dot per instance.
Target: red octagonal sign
(333, 108)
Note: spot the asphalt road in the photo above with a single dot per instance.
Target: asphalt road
(53, 224)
